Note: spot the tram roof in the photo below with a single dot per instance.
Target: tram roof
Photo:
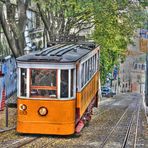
(60, 53)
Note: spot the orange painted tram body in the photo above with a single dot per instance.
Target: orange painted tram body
(57, 89)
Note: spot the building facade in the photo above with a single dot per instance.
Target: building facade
(131, 75)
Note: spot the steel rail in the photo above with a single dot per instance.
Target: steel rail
(136, 132)
(50, 142)
(21, 142)
(128, 131)
(106, 110)
(129, 128)
(7, 129)
(108, 136)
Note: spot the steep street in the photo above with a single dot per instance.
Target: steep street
(117, 122)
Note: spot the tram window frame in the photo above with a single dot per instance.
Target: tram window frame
(21, 81)
(90, 69)
(83, 75)
(72, 83)
(85, 72)
(39, 89)
(95, 62)
(98, 61)
(64, 84)
(93, 68)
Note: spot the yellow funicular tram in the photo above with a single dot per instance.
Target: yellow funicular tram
(57, 89)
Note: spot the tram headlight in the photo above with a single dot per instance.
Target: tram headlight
(43, 111)
(23, 107)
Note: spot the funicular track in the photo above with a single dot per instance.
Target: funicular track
(18, 142)
(121, 132)
(104, 108)
(7, 129)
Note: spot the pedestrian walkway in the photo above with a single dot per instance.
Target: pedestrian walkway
(11, 102)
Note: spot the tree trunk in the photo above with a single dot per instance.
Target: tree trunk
(14, 31)
(7, 32)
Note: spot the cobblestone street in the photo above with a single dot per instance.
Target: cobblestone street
(117, 122)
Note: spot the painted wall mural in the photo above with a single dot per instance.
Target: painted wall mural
(10, 76)
(8, 83)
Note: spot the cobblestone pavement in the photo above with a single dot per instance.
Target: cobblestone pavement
(108, 128)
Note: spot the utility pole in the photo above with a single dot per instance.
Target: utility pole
(146, 85)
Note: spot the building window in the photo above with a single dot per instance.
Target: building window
(126, 84)
(139, 66)
(143, 67)
(135, 66)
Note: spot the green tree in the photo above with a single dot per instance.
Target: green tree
(61, 17)
(115, 25)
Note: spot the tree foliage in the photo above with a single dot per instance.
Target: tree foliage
(116, 23)
(61, 17)
(113, 24)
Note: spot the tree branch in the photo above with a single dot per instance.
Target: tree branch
(7, 33)
(43, 19)
(84, 28)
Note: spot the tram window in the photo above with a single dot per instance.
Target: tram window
(64, 83)
(82, 76)
(95, 62)
(98, 61)
(45, 93)
(72, 82)
(43, 77)
(23, 82)
(89, 68)
(85, 72)
(43, 83)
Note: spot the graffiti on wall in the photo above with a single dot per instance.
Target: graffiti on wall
(10, 76)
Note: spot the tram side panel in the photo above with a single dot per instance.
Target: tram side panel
(60, 119)
(86, 96)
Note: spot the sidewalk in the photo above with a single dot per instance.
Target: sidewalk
(12, 100)
(11, 118)
(145, 108)
(11, 113)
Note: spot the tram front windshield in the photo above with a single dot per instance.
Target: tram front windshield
(47, 83)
